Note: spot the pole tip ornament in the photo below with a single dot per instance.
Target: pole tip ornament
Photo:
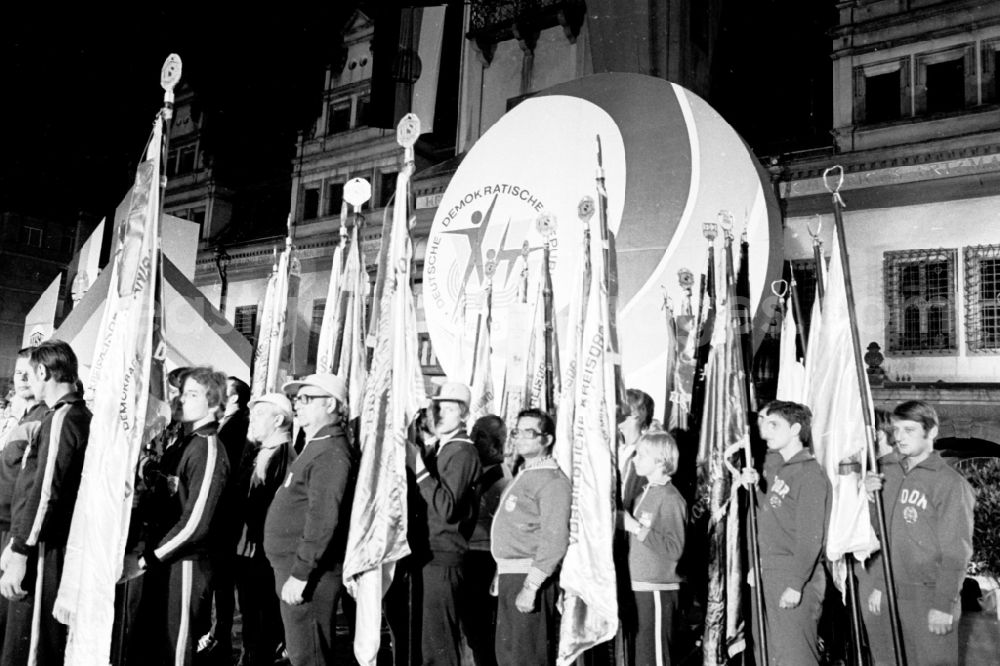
(685, 278)
(408, 130)
(585, 210)
(837, 172)
(357, 192)
(726, 222)
(546, 225)
(710, 230)
(170, 74)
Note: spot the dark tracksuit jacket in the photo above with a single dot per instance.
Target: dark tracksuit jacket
(305, 537)
(24, 434)
(447, 487)
(929, 515)
(44, 498)
(305, 532)
(792, 520)
(233, 436)
(198, 469)
(448, 492)
(12, 457)
(653, 555)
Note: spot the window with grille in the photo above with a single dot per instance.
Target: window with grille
(920, 296)
(982, 298)
(246, 322)
(319, 305)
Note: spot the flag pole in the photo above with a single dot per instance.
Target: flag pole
(818, 260)
(546, 225)
(867, 409)
(758, 592)
(793, 287)
(611, 280)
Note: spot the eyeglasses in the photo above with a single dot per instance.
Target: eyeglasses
(525, 433)
(306, 398)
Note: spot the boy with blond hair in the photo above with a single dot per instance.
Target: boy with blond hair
(655, 525)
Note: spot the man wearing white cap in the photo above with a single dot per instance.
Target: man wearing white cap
(261, 472)
(446, 476)
(305, 533)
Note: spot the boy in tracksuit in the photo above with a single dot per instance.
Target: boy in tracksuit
(15, 442)
(44, 497)
(446, 478)
(529, 538)
(656, 526)
(793, 511)
(196, 484)
(929, 516)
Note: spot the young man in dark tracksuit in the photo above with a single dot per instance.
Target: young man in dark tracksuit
(196, 484)
(793, 511)
(233, 436)
(929, 516)
(14, 648)
(529, 539)
(305, 533)
(446, 480)
(44, 498)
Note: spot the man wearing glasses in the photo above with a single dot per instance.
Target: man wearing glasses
(305, 532)
(446, 476)
(529, 539)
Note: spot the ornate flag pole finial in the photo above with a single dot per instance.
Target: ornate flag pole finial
(170, 75)
(585, 210)
(545, 223)
(710, 230)
(357, 192)
(726, 222)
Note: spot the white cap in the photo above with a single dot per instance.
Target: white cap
(330, 384)
(279, 400)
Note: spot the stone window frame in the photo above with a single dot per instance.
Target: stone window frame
(977, 308)
(898, 312)
(861, 74)
(965, 52)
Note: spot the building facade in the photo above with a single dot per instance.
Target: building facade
(194, 191)
(917, 131)
(32, 253)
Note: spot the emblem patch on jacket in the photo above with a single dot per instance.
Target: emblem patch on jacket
(778, 491)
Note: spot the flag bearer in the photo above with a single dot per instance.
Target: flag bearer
(305, 532)
(44, 497)
(446, 474)
(793, 510)
(928, 513)
(195, 477)
(656, 526)
(262, 471)
(529, 538)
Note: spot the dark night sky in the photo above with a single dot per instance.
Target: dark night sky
(80, 88)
